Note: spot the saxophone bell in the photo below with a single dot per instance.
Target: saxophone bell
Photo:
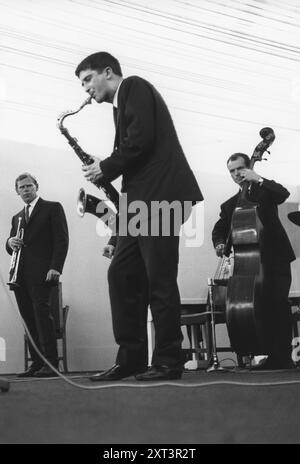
(89, 204)
(81, 203)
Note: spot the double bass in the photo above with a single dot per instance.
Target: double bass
(244, 303)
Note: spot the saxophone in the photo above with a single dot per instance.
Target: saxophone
(102, 183)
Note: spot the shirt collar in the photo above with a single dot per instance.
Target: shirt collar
(115, 100)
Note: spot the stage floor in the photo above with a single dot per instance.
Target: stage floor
(232, 407)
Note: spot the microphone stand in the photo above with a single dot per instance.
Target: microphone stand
(216, 365)
(4, 385)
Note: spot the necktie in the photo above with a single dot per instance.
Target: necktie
(27, 213)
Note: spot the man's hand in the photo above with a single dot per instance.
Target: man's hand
(52, 276)
(220, 249)
(108, 251)
(15, 243)
(92, 171)
(249, 175)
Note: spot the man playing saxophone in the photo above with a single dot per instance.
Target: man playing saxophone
(43, 250)
(148, 156)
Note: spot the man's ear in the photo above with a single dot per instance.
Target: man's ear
(109, 72)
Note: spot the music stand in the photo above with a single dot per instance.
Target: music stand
(216, 365)
(4, 385)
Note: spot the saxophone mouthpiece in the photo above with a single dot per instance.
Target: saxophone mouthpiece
(70, 112)
(86, 102)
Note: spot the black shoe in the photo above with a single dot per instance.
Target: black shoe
(116, 372)
(31, 371)
(161, 373)
(45, 371)
(285, 364)
(273, 364)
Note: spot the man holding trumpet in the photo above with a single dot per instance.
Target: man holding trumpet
(43, 250)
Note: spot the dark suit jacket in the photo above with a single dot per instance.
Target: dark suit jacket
(45, 240)
(147, 151)
(276, 246)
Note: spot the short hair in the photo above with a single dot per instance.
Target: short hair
(99, 61)
(24, 176)
(235, 156)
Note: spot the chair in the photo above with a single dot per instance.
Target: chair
(60, 314)
(197, 318)
(198, 322)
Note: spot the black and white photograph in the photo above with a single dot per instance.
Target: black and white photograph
(150, 225)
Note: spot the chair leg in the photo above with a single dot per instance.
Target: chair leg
(25, 353)
(208, 341)
(64, 339)
(193, 364)
(240, 360)
(295, 327)
(64, 350)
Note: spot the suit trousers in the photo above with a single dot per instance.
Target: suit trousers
(277, 310)
(144, 271)
(34, 306)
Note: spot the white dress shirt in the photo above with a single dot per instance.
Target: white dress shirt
(115, 100)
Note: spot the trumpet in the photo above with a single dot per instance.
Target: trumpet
(15, 259)
(99, 208)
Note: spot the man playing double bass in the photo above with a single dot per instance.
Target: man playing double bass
(276, 256)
